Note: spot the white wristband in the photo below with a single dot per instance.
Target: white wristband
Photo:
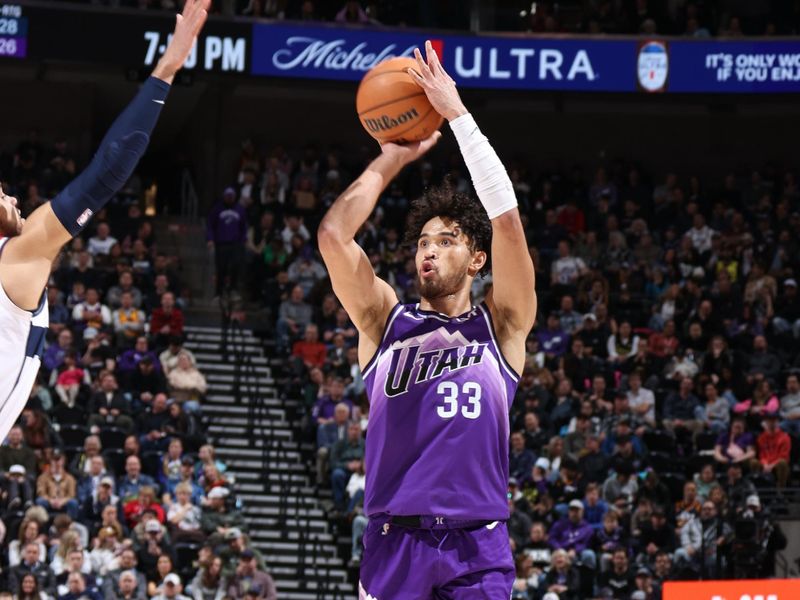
(489, 176)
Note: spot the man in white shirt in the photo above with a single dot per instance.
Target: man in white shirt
(91, 314)
(567, 268)
(642, 401)
(102, 242)
(700, 234)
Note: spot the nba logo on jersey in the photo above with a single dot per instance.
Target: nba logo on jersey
(85, 216)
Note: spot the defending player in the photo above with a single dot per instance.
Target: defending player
(29, 247)
(440, 374)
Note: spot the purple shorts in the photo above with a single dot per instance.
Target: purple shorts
(401, 563)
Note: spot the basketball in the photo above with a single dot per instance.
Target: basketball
(392, 107)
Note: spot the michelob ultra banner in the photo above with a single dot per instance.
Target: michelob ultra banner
(534, 62)
(742, 589)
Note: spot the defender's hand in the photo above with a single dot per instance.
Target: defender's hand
(439, 87)
(188, 25)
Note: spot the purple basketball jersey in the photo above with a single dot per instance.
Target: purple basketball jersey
(437, 442)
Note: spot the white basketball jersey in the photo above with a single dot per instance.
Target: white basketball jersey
(21, 344)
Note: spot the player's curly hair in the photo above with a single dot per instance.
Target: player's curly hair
(445, 202)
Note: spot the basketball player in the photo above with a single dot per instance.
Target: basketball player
(29, 247)
(440, 374)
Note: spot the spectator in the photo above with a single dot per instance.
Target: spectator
(183, 516)
(134, 479)
(216, 517)
(226, 234)
(521, 460)
(562, 579)
(124, 286)
(619, 578)
(128, 320)
(171, 589)
(310, 350)
(169, 357)
(293, 316)
(762, 364)
(790, 408)
(29, 533)
(553, 340)
(108, 406)
(128, 588)
(248, 577)
(91, 316)
(346, 458)
(80, 463)
(187, 385)
(56, 489)
(325, 406)
(113, 584)
(715, 412)
(641, 400)
(573, 534)
(154, 555)
(54, 355)
(774, 450)
(681, 408)
(736, 445)
(328, 434)
(567, 269)
(102, 241)
(29, 589)
(15, 452)
(31, 565)
(166, 321)
(702, 540)
(208, 583)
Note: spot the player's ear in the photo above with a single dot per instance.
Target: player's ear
(477, 262)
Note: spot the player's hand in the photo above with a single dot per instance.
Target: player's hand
(407, 153)
(439, 87)
(188, 25)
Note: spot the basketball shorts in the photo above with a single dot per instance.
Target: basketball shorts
(401, 563)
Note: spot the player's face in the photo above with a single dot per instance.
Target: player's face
(444, 259)
(11, 220)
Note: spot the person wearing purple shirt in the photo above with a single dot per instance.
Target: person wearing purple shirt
(573, 534)
(325, 406)
(553, 340)
(129, 360)
(226, 233)
(736, 445)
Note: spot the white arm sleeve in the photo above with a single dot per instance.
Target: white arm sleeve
(488, 174)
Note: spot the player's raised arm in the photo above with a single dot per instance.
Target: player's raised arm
(513, 291)
(366, 298)
(28, 256)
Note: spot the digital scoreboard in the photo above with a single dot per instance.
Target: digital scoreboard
(13, 32)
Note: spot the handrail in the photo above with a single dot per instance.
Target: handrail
(189, 199)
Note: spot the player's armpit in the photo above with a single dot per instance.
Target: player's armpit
(28, 258)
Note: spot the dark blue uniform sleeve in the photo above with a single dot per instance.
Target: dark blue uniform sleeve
(115, 160)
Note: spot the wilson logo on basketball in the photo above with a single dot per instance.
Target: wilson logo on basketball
(386, 123)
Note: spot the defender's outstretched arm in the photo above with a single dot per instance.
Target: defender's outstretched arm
(27, 258)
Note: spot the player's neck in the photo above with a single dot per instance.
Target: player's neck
(451, 305)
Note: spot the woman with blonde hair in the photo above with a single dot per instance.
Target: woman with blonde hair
(70, 540)
(562, 578)
(186, 383)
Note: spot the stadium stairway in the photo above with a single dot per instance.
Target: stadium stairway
(257, 435)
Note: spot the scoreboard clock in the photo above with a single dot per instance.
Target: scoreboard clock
(13, 32)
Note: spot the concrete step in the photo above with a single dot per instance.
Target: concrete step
(227, 399)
